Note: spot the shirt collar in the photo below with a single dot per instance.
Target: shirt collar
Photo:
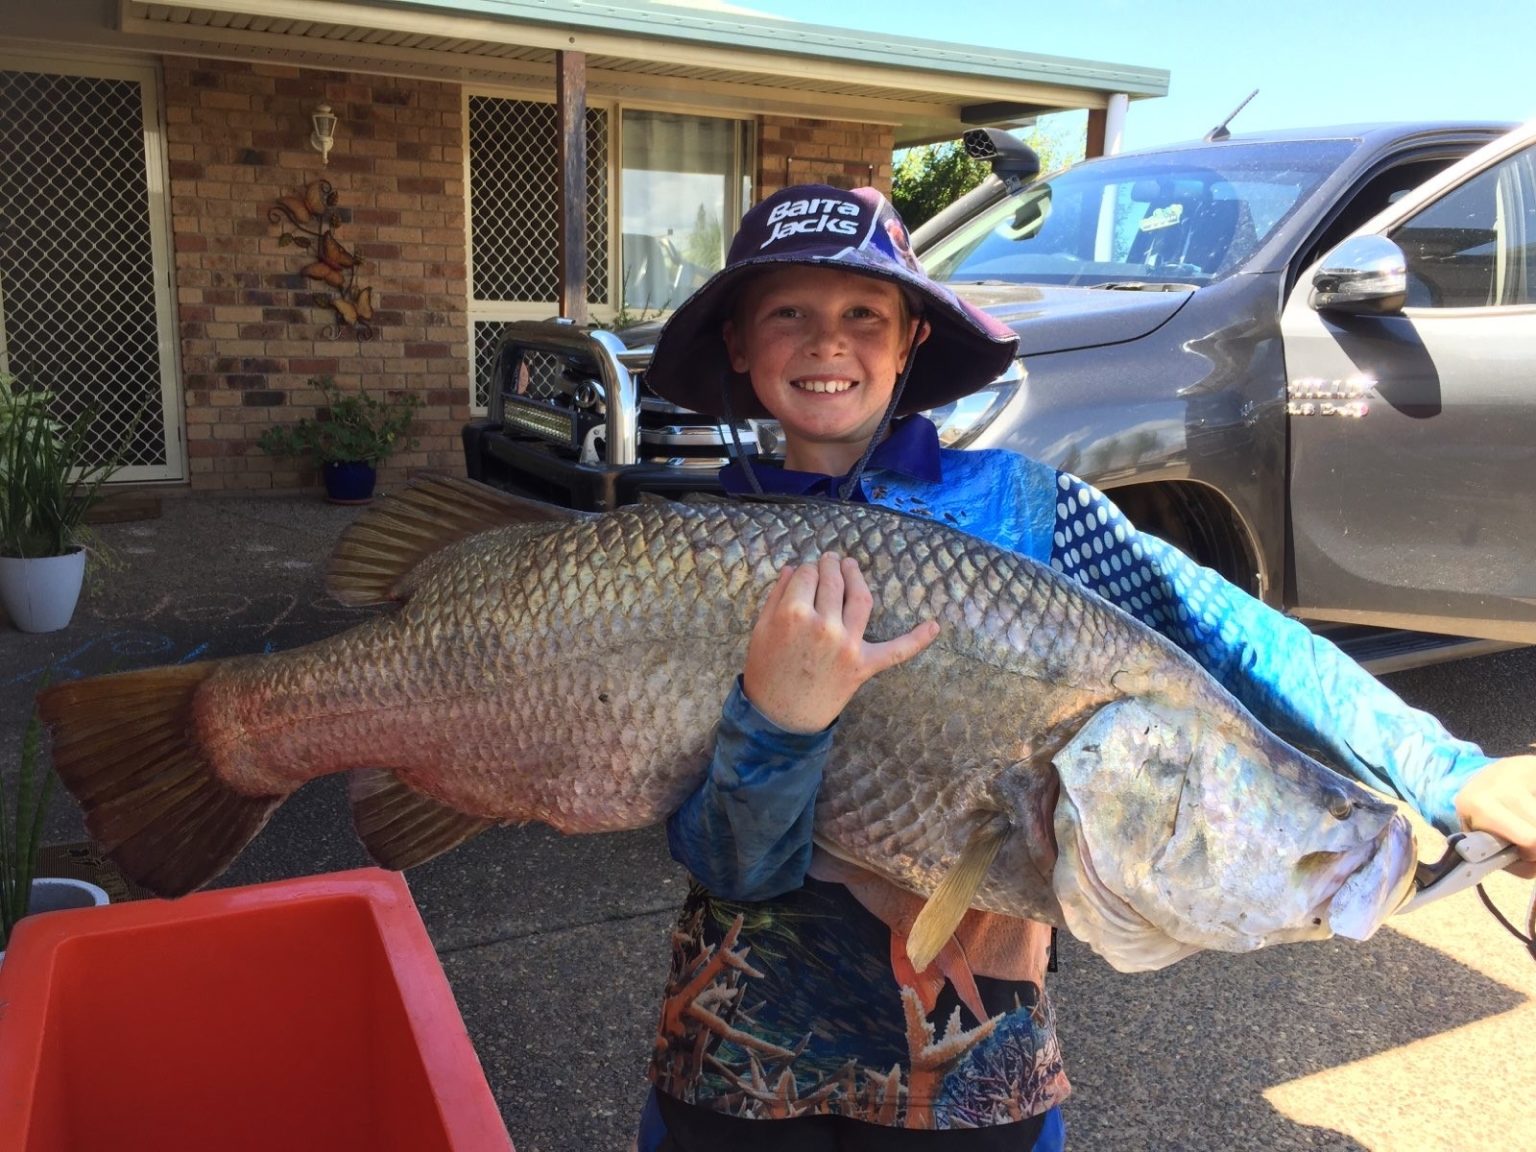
(911, 449)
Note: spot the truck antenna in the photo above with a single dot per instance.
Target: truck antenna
(1220, 131)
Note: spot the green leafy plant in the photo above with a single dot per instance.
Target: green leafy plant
(351, 427)
(21, 829)
(53, 471)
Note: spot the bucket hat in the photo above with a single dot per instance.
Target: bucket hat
(855, 230)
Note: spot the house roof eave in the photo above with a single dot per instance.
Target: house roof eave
(920, 86)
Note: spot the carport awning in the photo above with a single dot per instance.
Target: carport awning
(928, 89)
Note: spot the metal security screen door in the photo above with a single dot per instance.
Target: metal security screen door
(85, 308)
(514, 200)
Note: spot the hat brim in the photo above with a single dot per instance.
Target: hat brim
(966, 349)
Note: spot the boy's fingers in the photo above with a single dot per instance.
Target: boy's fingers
(775, 593)
(829, 587)
(801, 586)
(858, 603)
(879, 657)
(786, 574)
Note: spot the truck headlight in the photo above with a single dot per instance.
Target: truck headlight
(961, 421)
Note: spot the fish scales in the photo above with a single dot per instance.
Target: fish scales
(573, 673)
(605, 647)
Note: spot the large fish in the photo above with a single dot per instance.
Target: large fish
(1047, 758)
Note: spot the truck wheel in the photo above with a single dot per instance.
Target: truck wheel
(1198, 522)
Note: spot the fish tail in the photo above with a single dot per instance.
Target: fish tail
(126, 747)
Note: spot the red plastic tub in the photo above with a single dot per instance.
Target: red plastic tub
(304, 1014)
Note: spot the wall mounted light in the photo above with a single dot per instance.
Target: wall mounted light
(324, 134)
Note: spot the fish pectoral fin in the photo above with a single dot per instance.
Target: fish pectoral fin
(402, 529)
(950, 901)
(402, 827)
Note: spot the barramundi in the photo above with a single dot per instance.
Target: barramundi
(1048, 757)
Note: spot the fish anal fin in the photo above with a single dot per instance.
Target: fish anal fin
(950, 901)
(402, 827)
(398, 531)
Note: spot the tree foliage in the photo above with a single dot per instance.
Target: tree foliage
(929, 177)
(705, 245)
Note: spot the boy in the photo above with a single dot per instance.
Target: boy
(824, 320)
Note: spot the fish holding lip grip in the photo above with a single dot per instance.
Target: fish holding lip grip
(1048, 757)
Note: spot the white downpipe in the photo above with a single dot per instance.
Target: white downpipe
(1114, 122)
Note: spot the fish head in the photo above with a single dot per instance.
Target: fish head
(1181, 828)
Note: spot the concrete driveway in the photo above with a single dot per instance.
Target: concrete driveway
(1422, 1038)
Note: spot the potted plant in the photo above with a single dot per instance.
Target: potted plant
(22, 891)
(53, 470)
(348, 438)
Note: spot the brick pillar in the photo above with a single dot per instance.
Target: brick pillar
(845, 154)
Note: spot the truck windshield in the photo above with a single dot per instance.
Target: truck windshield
(1185, 216)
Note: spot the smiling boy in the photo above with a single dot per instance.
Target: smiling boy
(792, 1017)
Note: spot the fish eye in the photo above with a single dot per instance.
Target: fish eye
(1340, 806)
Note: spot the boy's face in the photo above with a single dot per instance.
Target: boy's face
(823, 348)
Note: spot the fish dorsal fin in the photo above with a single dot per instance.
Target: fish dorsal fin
(433, 511)
(951, 900)
(691, 498)
(401, 827)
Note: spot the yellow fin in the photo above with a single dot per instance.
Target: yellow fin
(400, 530)
(401, 827)
(950, 901)
(126, 747)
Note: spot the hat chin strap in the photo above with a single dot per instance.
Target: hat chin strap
(740, 453)
(851, 485)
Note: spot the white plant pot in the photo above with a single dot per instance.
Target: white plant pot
(56, 893)
(60, 893)
(40, 592)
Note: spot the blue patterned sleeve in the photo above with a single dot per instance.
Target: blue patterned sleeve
(745, 834)
(1297, 683)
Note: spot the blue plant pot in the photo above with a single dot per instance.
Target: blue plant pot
(349, 481)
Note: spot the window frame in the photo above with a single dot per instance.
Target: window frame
(1512, 274)
(479, 312)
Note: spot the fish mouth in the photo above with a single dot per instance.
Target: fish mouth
(1376, 889)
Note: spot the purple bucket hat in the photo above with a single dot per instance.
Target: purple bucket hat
(853, 230)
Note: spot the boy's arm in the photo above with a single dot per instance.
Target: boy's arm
(1297, 683)
(746, 833)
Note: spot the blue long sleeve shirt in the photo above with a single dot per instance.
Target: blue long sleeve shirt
(745, 834)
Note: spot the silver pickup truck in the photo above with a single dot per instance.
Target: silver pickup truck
(1304, 357)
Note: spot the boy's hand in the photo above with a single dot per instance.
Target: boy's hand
(808, 656)
(1501, 799)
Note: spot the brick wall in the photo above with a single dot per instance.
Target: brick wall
(251, 332)
(842, 153)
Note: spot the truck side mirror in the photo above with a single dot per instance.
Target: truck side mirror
(1362, 276)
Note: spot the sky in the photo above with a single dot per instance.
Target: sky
(1313, 62)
